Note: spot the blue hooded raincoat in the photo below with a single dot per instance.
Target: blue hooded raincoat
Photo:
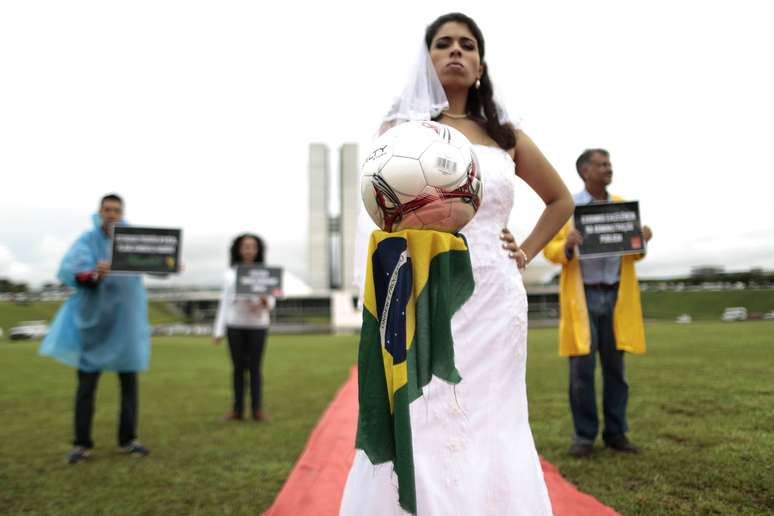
(102, 327)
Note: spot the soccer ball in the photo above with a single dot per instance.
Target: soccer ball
(421, 175)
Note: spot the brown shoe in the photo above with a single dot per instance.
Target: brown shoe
(620, 443)
(232, 416)
(580, 450)
(260, 415)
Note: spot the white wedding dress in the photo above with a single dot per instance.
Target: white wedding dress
(473, 447)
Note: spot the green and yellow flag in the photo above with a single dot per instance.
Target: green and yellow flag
(415, 281)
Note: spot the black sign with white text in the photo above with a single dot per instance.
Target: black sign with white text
(609, 229)
(258, 280)
(139, 249)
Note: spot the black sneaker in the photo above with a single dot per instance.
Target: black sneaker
(135, 449)
(77, 454)
(620, 443)
(579, 450)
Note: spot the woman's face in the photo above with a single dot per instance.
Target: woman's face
(454, 52)
(248, 250)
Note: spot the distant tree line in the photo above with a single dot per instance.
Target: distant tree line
(754, 278)
(9, 287)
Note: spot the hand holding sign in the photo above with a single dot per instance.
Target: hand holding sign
(647, 234)
(258, 305)
(574, 238)
(102, 269)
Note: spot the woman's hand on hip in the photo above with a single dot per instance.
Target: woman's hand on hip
(514, 251)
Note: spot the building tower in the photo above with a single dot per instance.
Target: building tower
(349, 192)
(318, 241)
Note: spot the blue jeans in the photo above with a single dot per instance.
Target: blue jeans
(615, 391)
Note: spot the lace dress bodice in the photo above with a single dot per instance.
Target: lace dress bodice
(483, 231)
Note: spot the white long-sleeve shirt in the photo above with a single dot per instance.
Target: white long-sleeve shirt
(240, 312)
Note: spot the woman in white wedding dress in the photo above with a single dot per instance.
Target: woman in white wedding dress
(473, 447)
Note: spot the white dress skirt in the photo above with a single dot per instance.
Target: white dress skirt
(473, 448)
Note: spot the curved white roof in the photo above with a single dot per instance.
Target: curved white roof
(293, 286)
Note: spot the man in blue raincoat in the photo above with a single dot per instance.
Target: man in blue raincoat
(103, 326)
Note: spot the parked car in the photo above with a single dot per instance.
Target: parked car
(202, 329)
(28, 330)
(684, 319)
(734, 313)
(22, 299)
(769, 315)
(171, 329)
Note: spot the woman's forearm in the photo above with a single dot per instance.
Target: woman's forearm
(538, 173)
(550, 222)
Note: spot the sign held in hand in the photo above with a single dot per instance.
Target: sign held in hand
(258, 280)
(609, 229)
(142, 249)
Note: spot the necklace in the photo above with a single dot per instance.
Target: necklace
(456, 117)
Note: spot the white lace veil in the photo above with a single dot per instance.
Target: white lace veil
(423, 97)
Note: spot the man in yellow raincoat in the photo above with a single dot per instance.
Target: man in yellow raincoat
(600, 312)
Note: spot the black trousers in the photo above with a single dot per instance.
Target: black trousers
(246, 346)
(84, 408)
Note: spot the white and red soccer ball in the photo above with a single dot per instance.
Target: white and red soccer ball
(421, 175)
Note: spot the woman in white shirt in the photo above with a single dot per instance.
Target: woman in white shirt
(245, 321)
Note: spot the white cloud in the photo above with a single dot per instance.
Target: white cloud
(11, 268)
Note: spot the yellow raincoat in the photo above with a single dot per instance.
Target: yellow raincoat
(574, 332)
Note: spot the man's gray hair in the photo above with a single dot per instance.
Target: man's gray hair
(585, 158)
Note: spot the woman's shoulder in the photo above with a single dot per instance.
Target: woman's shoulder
(523, 142)
(518, 134)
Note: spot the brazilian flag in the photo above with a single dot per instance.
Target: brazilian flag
(416, 280)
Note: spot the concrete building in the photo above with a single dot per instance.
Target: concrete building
(318, 241)
(331, 241)
(349, 190)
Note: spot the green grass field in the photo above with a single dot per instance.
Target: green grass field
(12, 314)
(702, 409)
(704, 305)
(199, 464)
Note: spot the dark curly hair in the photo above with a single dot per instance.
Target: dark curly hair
(480, 101)
(236, 258)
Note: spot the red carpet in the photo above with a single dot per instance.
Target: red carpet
(315, 485)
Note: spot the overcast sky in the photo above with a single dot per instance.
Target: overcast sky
(200, 114)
